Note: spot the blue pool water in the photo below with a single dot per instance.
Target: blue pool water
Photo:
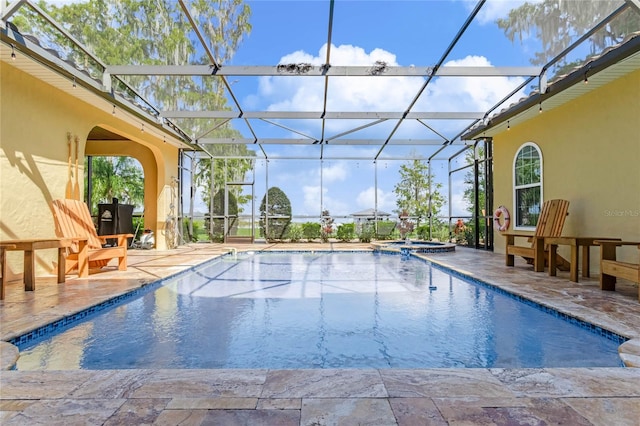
(321, 310)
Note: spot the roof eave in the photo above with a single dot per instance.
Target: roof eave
(598, 65)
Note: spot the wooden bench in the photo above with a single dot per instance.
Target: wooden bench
(610, 268)
(29, 246)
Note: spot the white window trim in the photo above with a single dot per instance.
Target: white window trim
(513, 185)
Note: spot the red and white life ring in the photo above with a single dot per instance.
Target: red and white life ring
(501, 211)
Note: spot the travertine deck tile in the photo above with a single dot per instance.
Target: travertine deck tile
(416, 411)
(279, 403)
(181, 417)
(212, 404)
(346, 412)
(202, 384)
(138, 412)
(40, 384)
(65, 412)
(252, 417)
(328, 383)
(607, 411)
(443, 382)
(111, 383)
(571, 382)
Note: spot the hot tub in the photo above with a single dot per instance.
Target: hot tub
(414, 246)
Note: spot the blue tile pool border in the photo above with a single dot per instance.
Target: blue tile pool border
(41, 333)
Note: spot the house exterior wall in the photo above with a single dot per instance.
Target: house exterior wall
(35, 119)
(591, 157)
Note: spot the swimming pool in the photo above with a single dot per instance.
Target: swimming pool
(320, 310)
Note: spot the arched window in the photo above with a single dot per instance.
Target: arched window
(527, 188)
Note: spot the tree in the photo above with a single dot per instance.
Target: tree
(417, 190)
(469, 194)
(117, 177)
(557, 23)
(276, 213)
(144, 32)
(465, 232)
(135, 32)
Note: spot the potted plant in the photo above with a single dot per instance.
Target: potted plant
(405, 226)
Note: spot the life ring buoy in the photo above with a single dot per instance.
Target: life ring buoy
(501, 211)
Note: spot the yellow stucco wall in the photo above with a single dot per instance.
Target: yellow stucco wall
(591, 157)
(35, 119)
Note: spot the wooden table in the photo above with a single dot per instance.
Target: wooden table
(3, 265)
(29, 247)
(575, 243)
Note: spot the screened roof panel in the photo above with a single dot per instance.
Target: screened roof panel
(360, 152)
(291, 151)
(327, 73)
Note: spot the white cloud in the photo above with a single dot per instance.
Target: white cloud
(312, 201)
(458, 203)
(470, 94)
(495, 9)
(345, 93)
(386, 200)
(336, 172)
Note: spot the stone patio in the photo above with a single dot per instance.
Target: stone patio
(575, 396)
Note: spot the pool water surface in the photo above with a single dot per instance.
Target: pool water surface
(321, 310)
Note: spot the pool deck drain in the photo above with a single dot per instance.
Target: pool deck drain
(599, 396)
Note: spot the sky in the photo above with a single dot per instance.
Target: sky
(400, 33)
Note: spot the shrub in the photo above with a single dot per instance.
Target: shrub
(346, 232)
(423, 232)
(326, 226)
(385, 229)
(294, 232)
(405, 226)
(197, 230)
(311, 230)
(279, 206)
(440, 232)
(366, 233)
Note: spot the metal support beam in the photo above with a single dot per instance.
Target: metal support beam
(326, 67)
(336, 115)
(321, 71)
(8, 9)
(301, 141)
(273, 123)
(635, 4)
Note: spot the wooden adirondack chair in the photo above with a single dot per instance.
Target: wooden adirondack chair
(73, 221)
(550, 224)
